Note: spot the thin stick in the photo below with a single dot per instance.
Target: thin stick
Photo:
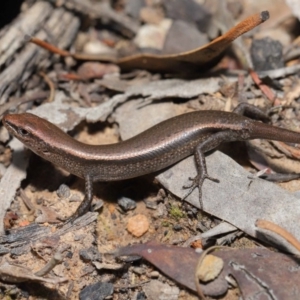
(64, 53)
(263, 87)
(55, 260)
(15, 102)
(51, 86)
(47, 46)
(199, 263)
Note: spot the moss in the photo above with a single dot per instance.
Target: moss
(165, 223)
(176, 212)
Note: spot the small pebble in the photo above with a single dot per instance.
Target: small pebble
(39, 201)
(126, 203)
(154, 274)
(151, 204)
(141, 296)
(192, 211)
(90, 254)
(138, 225)
(99, 290)
(197, 245)
(210, 268)
(177, 227)
(200, 226)
(161, 211)
(75, 198)
(190, 214)
(96, 47)
(63, 191)
(97, 204)
(69, 254)
(139, 270)
(177, 241)
(153, 36)
(266, 54)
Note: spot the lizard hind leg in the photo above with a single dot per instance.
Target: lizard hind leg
(251, 111)
(210, 143)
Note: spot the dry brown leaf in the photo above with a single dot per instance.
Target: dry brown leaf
(196, 58)
(257, 271)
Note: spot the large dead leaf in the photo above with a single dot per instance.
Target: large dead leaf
(196, 58)
(176, 262)
(257, 271)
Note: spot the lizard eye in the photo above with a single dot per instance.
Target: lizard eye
(23, 132)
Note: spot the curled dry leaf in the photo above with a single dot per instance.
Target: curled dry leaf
(196, 58)
(264, 224)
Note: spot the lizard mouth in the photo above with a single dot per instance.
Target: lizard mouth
(9, 126)
(19, 132)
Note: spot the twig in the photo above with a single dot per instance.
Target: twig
(55, 260)
(51, 86)
(15, 102)
(46, 45)
(263, 87)
(131, 286)
(281, 72)
(64, 53)
(27, 202)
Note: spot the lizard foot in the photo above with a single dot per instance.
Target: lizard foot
(197, 182)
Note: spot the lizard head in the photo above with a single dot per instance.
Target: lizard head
(34, 132)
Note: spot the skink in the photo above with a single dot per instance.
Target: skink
(154, 149)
